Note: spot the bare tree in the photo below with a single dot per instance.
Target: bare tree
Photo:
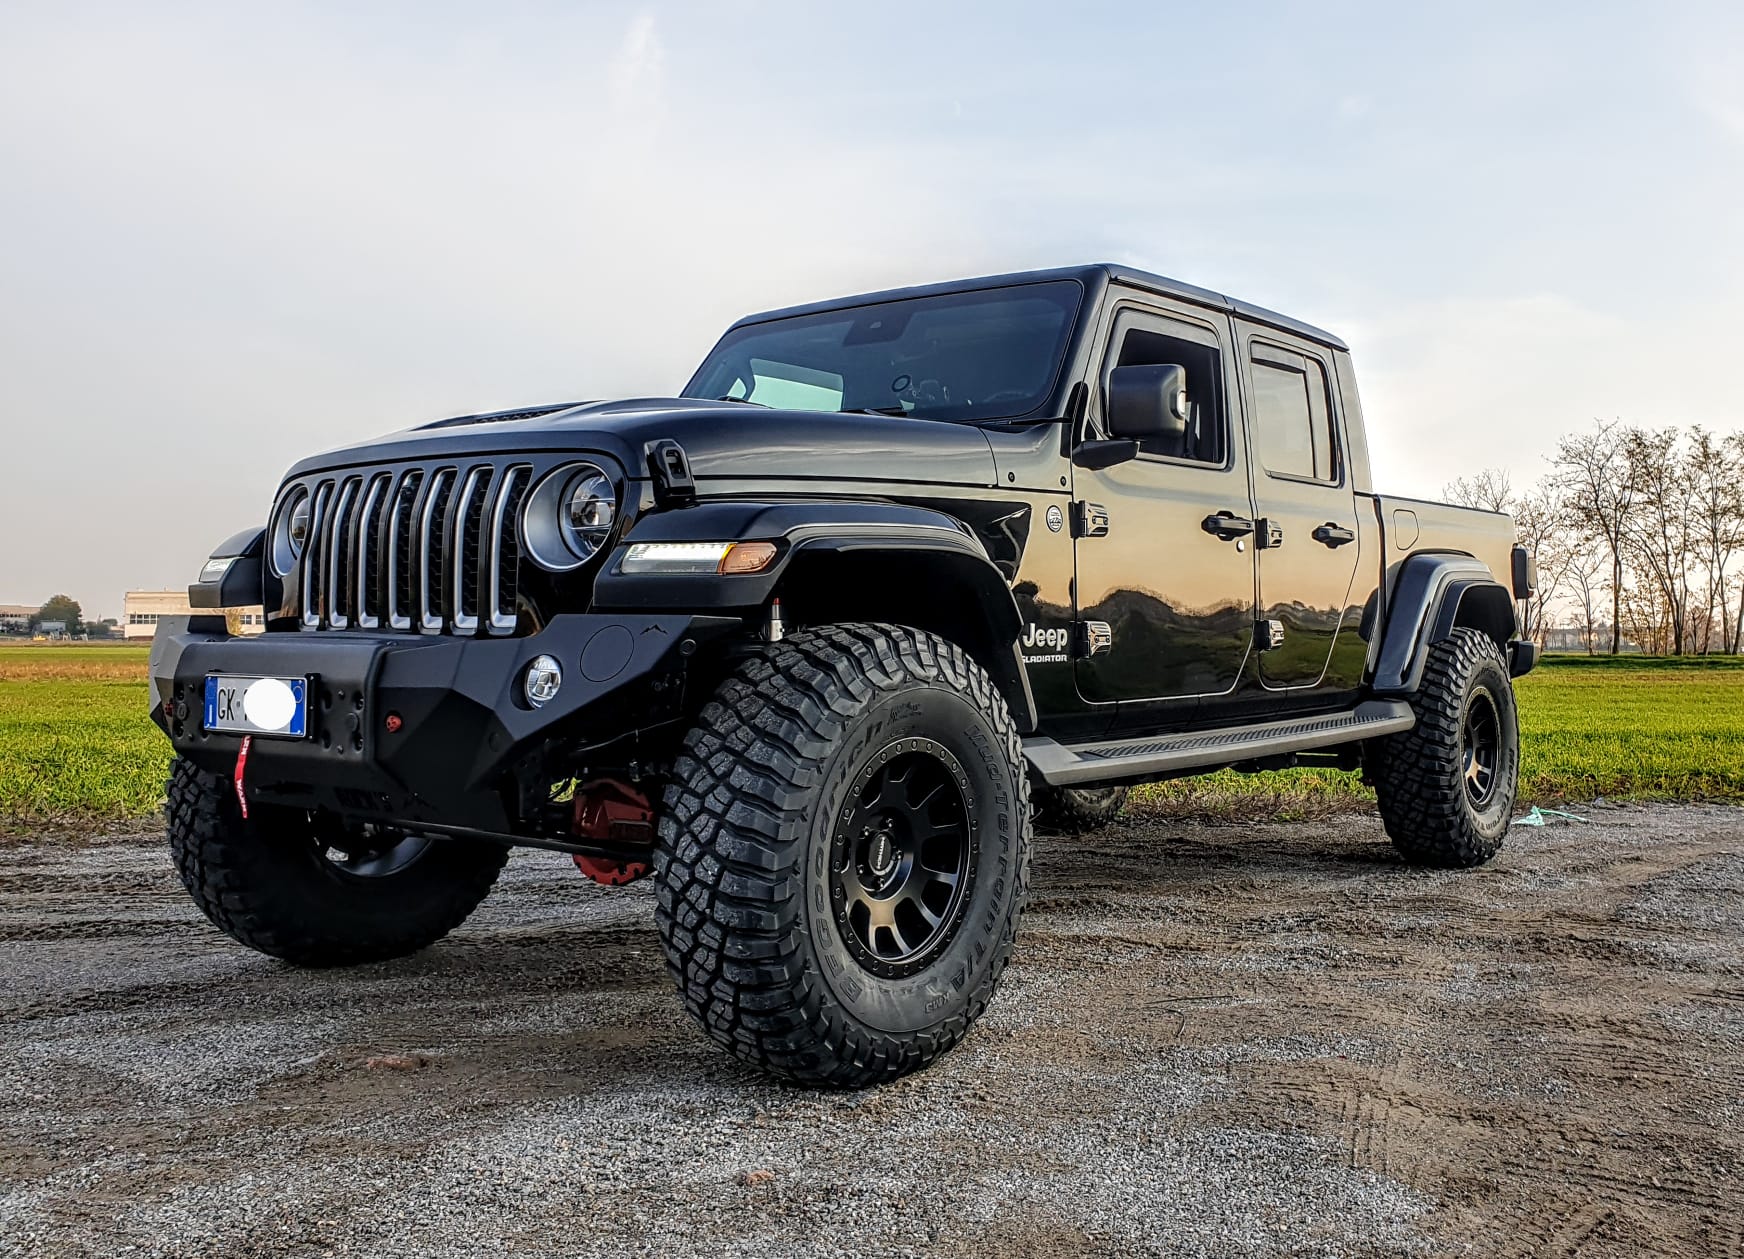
(1659, 530)
(1489, 490)
(1540, 526)
(1716, 475)
(1585, 574)
(1593, 485)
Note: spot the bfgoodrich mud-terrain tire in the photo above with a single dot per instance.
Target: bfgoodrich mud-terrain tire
(273, 883)
(1446, 786)
(1077, 810)
(844, 852)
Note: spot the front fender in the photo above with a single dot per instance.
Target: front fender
(797, 528)
(914, 566)
(235, 575)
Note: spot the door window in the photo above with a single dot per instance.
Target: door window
(1141, 340)
(1292, 415)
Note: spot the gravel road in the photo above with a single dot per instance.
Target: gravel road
(1256, 1040)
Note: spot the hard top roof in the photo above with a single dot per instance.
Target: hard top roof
(1089, 274)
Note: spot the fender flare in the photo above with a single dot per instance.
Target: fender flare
(243, 583)
(810, 531)
(1433, 594)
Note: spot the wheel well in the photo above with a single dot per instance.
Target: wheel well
(1489, 609)
(950, 595)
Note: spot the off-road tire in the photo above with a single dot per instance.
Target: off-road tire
(265, 883)
(1420, 780)
(1077, 810)
(745, 866)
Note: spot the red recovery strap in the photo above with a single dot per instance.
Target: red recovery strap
(241, 765)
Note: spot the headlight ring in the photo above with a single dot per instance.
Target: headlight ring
(568, 518)
(290, 531)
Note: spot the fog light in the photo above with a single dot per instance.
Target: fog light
(543, 678)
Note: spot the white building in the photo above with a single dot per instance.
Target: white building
(143, 608)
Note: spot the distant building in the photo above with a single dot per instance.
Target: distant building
(143, 608)
(15, 618)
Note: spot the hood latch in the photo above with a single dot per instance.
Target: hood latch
(670, 468)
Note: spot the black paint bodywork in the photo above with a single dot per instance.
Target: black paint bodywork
(1010, 535)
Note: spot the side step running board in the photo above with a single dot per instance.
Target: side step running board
(1062, 765)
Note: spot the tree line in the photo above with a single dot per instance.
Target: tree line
(1639, 537)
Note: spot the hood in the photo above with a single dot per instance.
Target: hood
(725, 442)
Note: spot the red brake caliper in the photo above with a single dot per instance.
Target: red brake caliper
(611, 812)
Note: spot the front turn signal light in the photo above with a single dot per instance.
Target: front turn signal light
(748, 557)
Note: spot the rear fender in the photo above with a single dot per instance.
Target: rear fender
(1433, 595)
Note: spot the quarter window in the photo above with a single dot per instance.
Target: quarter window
(1292, 414)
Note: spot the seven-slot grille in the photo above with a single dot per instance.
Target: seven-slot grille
(428, 550)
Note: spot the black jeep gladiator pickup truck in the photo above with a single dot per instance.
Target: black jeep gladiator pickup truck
(814, 641)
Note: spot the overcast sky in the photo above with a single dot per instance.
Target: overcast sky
(234, 235)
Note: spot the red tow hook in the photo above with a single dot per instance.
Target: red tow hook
(608, 811)
(241, 767)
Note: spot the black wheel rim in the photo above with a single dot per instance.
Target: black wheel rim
(1481, 747)
(371, 852)
(902, 858)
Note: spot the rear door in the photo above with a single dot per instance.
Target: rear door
(1311, 540)
(1176, 599)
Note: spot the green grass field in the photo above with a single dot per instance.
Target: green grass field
(75, 742)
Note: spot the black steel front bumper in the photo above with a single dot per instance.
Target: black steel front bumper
(463, 720)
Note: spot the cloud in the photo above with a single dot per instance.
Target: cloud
(1456, 386)
(637, 68)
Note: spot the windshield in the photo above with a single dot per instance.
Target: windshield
(980, 355)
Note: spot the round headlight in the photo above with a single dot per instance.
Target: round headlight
(290, 531)
(568, 517)
(589, 510)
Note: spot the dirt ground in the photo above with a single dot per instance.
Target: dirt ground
(1260, 1040)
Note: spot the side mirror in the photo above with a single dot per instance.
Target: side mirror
(1148, 402)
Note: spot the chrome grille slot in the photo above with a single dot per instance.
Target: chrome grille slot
(313, 551)
(466, 521)
(339, 551)
(430, 550)
(402, 582)
(503, 577)
(432, 558)
(367, 553)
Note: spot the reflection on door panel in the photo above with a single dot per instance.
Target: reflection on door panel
(1179, 600)
(1302, 493)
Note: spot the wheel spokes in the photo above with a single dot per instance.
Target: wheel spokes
(901, 856)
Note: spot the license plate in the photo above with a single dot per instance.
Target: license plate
(265, 706)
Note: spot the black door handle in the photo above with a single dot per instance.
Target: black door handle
(1227, 525)
(1334, 535)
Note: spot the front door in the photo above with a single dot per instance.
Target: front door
(1176, 596)
(1312, 538)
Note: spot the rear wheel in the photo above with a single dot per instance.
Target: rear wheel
(1446, 787)
(844, 852)
(317, 894)
(1078, 810)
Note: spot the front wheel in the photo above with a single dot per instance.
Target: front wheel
(1446, 787)
(844, 853)
(295, 887)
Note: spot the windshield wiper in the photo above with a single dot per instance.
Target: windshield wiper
(745, 402)
(896, 411)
